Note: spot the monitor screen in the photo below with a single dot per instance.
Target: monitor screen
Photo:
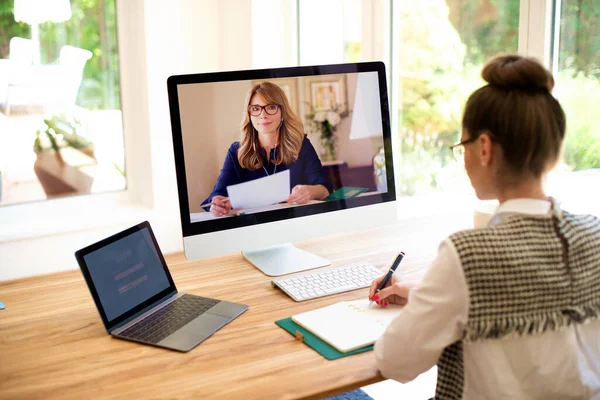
(264, 146)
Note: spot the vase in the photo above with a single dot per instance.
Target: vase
(328, 142)
(329, 152)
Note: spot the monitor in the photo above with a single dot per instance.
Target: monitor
(271, 156)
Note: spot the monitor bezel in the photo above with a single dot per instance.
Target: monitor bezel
(80, 256)
(245, 220)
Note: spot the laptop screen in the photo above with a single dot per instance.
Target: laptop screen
(126, 272)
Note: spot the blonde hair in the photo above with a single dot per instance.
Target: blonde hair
(291, 130)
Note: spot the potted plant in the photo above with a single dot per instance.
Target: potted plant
(59, 132)
(57, 175)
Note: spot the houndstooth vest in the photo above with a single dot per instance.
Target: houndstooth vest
(525, 276)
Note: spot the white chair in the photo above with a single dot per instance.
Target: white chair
(72, 61)
(19, 59)
(45, 89)
(21, 51)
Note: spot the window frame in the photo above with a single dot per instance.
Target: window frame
(536, 33)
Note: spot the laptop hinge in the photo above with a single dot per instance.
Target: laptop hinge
(152, 308)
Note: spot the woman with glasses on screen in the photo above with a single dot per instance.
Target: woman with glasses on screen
(510, 310)
(273, 140)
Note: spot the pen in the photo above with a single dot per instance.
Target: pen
(210, 203)
(390, 272)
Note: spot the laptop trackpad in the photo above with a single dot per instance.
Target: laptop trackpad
(227, 309)
(206, 324)
(195, 332)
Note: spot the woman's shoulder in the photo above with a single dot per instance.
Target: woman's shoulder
(234, 147)
(306, 149)
(306, 142)
(232, 152)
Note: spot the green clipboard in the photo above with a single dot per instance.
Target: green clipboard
(317, 344)
(346, 192)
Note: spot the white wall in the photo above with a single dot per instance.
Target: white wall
(321, 32)
(272, 33)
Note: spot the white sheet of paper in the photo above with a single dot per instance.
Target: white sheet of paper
(348, 325)
(260, 192)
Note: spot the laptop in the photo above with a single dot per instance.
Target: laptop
(137, 299)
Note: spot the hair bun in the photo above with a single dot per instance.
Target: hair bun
(517, 72)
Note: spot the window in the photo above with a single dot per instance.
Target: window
(577, 66)
(440, 50)
(61, 131)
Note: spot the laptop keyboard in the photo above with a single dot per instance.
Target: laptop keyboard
(168, 319)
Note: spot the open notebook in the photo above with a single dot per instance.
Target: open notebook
(348, 325)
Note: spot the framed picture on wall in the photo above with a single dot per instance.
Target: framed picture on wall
(289, 86)
(325, 92)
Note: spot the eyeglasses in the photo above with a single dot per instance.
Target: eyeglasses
(256, 110)
(458, 150)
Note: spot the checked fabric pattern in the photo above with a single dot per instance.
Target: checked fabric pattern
(525, 276)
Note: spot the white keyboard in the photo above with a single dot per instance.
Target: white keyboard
(329, 281)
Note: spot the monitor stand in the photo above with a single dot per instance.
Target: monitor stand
(283, 259)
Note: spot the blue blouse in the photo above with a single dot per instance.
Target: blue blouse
(306, 170)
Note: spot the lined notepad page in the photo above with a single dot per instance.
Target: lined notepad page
(348, 325)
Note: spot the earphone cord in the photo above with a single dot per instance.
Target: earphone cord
(274, 170)
(267, 172)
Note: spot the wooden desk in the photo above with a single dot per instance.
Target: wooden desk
(53, 343)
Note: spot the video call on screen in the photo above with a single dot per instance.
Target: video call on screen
(211, 114)
(126, 273)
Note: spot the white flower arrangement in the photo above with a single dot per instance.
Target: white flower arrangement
(330, 116)
(333, 118)
(324, 123)
(320, 116)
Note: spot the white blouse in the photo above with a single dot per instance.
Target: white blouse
(563, 364)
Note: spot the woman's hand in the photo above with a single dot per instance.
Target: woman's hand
(220, 206)
(301, 194)
(395, 292)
